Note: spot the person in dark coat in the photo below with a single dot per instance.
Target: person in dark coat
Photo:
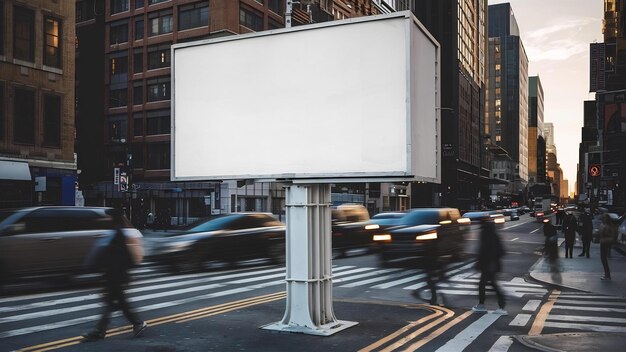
(114, 260)
(608, 234)
(586, 233)
(570, 224)
(489, 256)
(551, 248)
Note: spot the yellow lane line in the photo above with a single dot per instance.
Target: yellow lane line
(436, 312)
(221, 308)
(540, 320)
(438, 332)
(424, 329)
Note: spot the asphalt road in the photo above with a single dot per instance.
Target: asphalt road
(222, 308)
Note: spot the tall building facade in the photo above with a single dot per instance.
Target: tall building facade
(37, 163)
(460, 28)
(508, 90)
(536, 156)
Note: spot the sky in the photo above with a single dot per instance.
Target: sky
(556, 35)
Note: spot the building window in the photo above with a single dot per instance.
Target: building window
(1, 29)
(24, 116)
(276, 6)
(85, 10)
(152, 2)
(158, 156)
(193, 16)
(159, 56)
(2, 123)
(158, 89)
(138, 92)
(23, 34)
(118, 6)
(250, 19)
(138, 61)
(118, 127)
(118, 32)
(158, 122)
(118, 96)
(52, 121)
(52, 49)
(138, 125)
(139, 4)
(118, 64)
(159, 23)
(139, 29)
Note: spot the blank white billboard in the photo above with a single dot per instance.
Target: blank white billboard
(344, 99)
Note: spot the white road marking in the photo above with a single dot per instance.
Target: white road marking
(520, 320)
(515, 239)
(532, 305)
(412, 273)
(590, 297)
(371, 273)
(400, 282)
(502, 344)
(593, 309)
(587, 327)
(465, 267)
(582, 318)
(469, 334)
(591, 303)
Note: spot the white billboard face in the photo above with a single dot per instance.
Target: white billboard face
(331, 101)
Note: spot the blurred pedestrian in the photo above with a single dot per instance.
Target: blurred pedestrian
(570, 224)
(551, 249)
(434, 274)
(489, 257)
(608, 233)
(150, 220)
(585, 233)
(559, 216)
(114, 260)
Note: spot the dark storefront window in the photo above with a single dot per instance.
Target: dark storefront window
(159, 22)
(118, 6)
(158, 122)
(52, 121)
(23, 34)
(250, 19)
(159, 56)
(193, 16)
(138, 61)
(139, 29)
(118, 32)
(52, 47)
(24, 114)
(158, 156)
(158, 89)
(138, 92)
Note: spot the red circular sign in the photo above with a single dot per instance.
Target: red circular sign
(594, 170)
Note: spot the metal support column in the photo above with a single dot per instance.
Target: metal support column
(309, 306)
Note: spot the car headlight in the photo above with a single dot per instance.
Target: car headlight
(178, 246)
(372, 227)
(498, 220)
(427, 236)
(463, 221)
(384, 237)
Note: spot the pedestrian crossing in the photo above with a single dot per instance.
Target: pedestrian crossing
(588, 313)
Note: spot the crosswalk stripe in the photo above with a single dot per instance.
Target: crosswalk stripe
(520, 320)
(593, 309)
(502, 344)
(469, 334)
(592, 303)
(590, 297)
(582, 318)
(532, 305)
(464, 267)
(587, 327)
(382, 278)
(400, 282)
(371, 273)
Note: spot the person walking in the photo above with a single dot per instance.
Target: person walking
(114, 260)
(608, 233)
(489, 256)
(551, 249)
(586, 233)
(570, 224)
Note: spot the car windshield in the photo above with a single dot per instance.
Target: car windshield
(421, 217)
(5, 214)
(215, 224)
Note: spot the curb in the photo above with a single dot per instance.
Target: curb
(525, 340)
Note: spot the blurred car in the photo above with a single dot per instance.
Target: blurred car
(476, 216)
(351, 228)
(228, 238)
(387, 219)
(57, 240)
(514, 215)
(423, 232)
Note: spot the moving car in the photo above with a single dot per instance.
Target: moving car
(476, 216)
(227, 238)
(351, 228)
(56, 240)
(423, 232)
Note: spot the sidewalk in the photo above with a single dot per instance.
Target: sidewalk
(583, 274)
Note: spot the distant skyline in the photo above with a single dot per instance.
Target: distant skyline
(556, 35)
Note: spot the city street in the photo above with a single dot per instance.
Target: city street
(222, 308)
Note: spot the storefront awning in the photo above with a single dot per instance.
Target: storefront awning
(14, 170)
